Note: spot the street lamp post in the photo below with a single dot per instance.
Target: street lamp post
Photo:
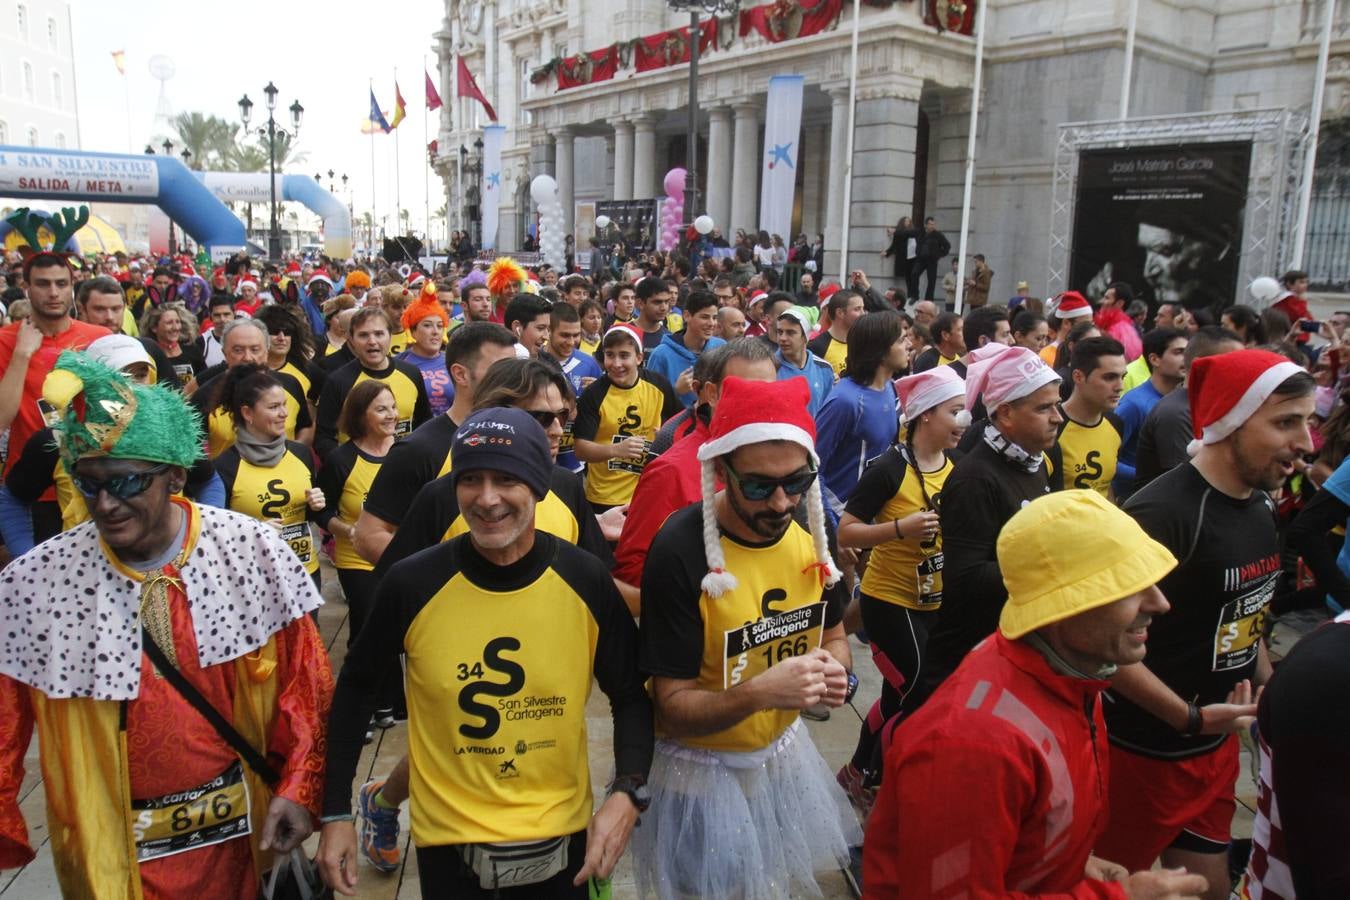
(712, 8)
(167, 147)
(270, 132)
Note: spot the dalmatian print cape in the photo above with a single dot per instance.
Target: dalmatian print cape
(70, 621)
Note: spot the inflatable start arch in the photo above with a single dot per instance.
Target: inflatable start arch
(62, 175)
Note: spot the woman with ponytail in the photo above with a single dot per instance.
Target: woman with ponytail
(894, 511)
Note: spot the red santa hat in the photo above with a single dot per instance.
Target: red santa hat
(626, 329)
(319, 276)
(1226, 390)
(293, 268)
(751, 412)
(1072, 305)
(239, 288)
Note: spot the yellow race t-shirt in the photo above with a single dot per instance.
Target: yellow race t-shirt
(777, 610)
(345, 480)
(1085, 456)
(608, 414)
(901, 571)
(832, 351)
(276, 493)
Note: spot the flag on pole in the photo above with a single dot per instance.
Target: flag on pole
(433, 96)
(120, 60)
(376, 120)
(400, 108)
(467, 87)
(782, 137)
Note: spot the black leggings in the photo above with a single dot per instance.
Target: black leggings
(444, 876)
(898, 635)
(358, 586)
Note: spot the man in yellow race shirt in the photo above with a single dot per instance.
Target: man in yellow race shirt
(617, 417)
(369, 340)
(845, 307)
(1084, 455)
(501, 788)
(742, 629)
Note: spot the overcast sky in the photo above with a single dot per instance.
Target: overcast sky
(324, 56)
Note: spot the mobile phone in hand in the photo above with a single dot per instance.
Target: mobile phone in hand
(1311, 327)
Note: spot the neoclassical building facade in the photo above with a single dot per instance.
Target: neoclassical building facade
(1047, 63)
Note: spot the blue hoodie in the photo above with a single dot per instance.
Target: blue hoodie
(672, 357)
(818, 373)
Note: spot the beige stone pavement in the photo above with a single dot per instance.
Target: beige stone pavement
(835, 739)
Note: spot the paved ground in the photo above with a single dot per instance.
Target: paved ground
(834, 738)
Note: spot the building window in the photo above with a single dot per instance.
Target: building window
(23, 22)
(32, 136)
(51, 32)
(56, 90)
(61, 140)
(523, 86)
(4, 132)
(28, 82)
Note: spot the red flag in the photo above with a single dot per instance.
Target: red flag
(467, 87)
(433, 97)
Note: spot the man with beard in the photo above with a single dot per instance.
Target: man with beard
(742, 628)
(1174, 756)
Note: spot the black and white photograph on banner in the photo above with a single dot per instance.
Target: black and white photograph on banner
(1166, 220)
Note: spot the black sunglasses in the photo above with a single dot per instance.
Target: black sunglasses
(546, 417)
(122, 487)
(763, 488)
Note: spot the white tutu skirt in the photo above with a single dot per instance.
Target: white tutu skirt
(742, 826)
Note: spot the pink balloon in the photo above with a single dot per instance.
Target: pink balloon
(674, 182)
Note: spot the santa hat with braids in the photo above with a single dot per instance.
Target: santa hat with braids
(752, 412)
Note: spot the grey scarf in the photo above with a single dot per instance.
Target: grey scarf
(259, 451)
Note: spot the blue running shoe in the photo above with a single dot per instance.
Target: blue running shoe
(379, 829)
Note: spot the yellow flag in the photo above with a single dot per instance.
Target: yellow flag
(120, 60)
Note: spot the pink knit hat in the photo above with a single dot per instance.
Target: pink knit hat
(999, 375)
(920, 393)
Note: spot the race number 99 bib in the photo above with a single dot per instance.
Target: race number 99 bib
(300, 539)
(755, 646)
(210, 813)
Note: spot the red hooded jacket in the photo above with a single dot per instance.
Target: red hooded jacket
(995, 788)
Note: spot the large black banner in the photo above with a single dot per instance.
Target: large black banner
(632, 224)
(1166, 220)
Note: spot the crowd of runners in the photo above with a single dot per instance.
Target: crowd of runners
(1063, 528)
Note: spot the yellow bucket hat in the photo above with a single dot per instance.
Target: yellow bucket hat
(1072, 551)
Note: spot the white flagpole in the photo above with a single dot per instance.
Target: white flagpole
(970, 154)
(1314, 126)
(848, 147)
(426, 160)
(398, 181)
(1130, 27)
(374, 211)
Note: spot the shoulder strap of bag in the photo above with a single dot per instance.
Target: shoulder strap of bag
(227, 733)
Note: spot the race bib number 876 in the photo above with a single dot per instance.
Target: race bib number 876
(755, 646)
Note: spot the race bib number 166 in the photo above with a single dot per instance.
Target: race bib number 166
(755, 646)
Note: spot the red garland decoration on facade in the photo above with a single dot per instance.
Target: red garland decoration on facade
(671, 48)
(588, 68)
(784, 20)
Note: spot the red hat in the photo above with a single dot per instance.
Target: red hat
(751, 412)
(293, 268)
(1072, 305)
(828, 290)
(626, 329)
(319, 276)
(1225, 390)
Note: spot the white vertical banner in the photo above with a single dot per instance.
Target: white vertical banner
(492, 183)
(782, 136)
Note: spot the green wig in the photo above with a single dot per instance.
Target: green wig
(106, 414)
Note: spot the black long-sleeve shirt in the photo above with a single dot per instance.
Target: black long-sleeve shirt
(1308, 535)
(499, 663)
(404, 379)
(983, 492)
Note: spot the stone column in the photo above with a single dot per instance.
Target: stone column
(745, 171)
(886, 122)
(623, 160)
(719, 168)
(834, 201)
(816, 169)
(644, 158)
(564, 139)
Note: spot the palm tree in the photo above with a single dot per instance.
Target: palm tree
(205, 136)
(368, 223)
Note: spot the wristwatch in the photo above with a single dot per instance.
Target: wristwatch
(635, 786)
(852, 687)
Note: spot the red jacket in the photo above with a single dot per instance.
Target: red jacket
(669, 483)
(995, 788)
(1295, 307)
